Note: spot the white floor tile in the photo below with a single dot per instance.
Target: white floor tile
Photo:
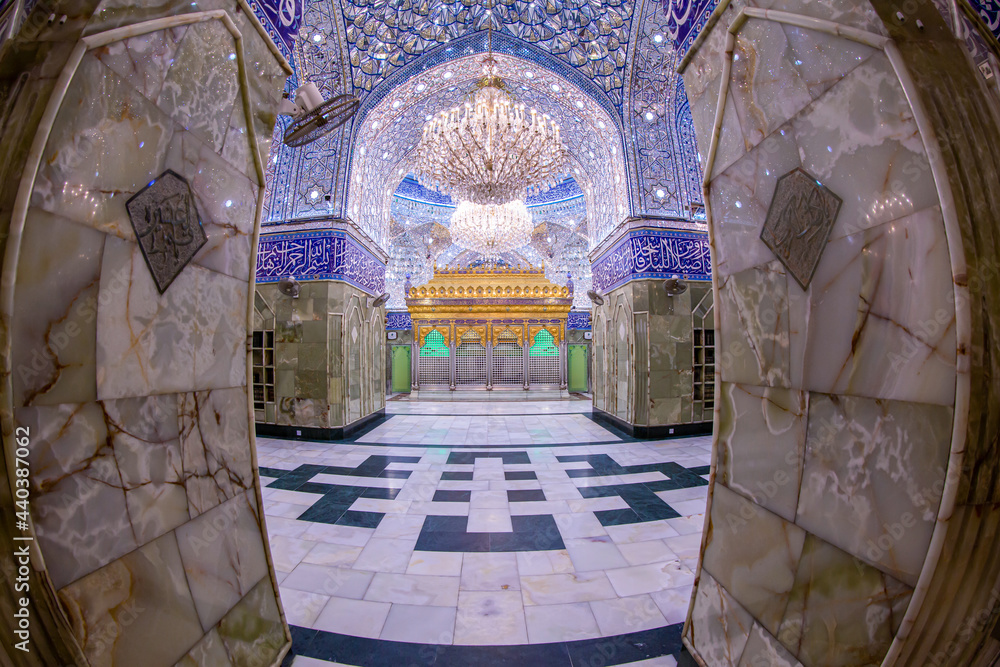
(560, 622)
(420, 624)
(357, 618)
(301, 608)
(443, 563)
(414, 589)
(490, 572)
(493, 520)
(595, 553)
(640, 579)
(385, 555)
(324, 580)
(628, 614)
(563, 588)
(490, 618)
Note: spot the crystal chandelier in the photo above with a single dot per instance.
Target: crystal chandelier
(491, 151)
(491, 230)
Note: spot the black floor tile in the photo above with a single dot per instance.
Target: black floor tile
(701, 470)
(324, 510)
(301, 639)
(618, 650)
(506, 542)
(617, 517)
(360, 519)
(511, 475)
(395, 474)
(292, 480)
(527, 495)
(381, 494)
(314, 487)
(445, 524)
(343, 494)
(449, 496)
(467, 458)
(456, 476)
(453, 541)
(632, 647)
(271, 472)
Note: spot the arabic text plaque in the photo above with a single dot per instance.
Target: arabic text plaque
(799, 222)
(167, 226)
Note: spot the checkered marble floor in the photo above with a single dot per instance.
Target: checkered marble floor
(431, 537)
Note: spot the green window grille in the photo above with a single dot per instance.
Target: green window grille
(545, 345)
(434, 345)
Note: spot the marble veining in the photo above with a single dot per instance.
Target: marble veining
(135, 611)
(191, 337)
(762, 434)
(769, 549)
(143, 495)
(719, 626)
(841, 612)
(213, 429)
(202, 83)
(873, 476)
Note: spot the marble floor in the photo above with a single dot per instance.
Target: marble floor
(453, 538)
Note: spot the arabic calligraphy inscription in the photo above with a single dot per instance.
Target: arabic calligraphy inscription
(167, 227)
(799, 222)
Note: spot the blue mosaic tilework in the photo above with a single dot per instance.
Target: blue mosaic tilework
(325, 255)
(397, 321)
(653, 253)
(579, 321)
(281, 20)
(686, 18)
(989, 11)
(411, 189)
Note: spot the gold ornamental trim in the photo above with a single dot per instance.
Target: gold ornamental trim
(516, 329)
(490, 311)
(496, 284)
(554, 330)
(425, 331)
(479, 329)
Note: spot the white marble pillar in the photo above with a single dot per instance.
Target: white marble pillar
(853, 511)
(145, 506)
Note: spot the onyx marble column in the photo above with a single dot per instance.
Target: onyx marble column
(853, 513)
(149, 543)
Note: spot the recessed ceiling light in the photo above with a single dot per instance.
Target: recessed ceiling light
(420, 87)
(579, 104)
(555, 87)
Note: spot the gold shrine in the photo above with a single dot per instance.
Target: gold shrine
(521, 302)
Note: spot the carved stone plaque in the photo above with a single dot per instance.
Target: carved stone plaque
(799, 222)
(167, 226)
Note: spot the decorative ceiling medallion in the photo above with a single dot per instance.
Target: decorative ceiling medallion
(799, 222)
(167, 227)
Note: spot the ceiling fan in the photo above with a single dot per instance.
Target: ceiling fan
(290, 287)
(313, 117)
